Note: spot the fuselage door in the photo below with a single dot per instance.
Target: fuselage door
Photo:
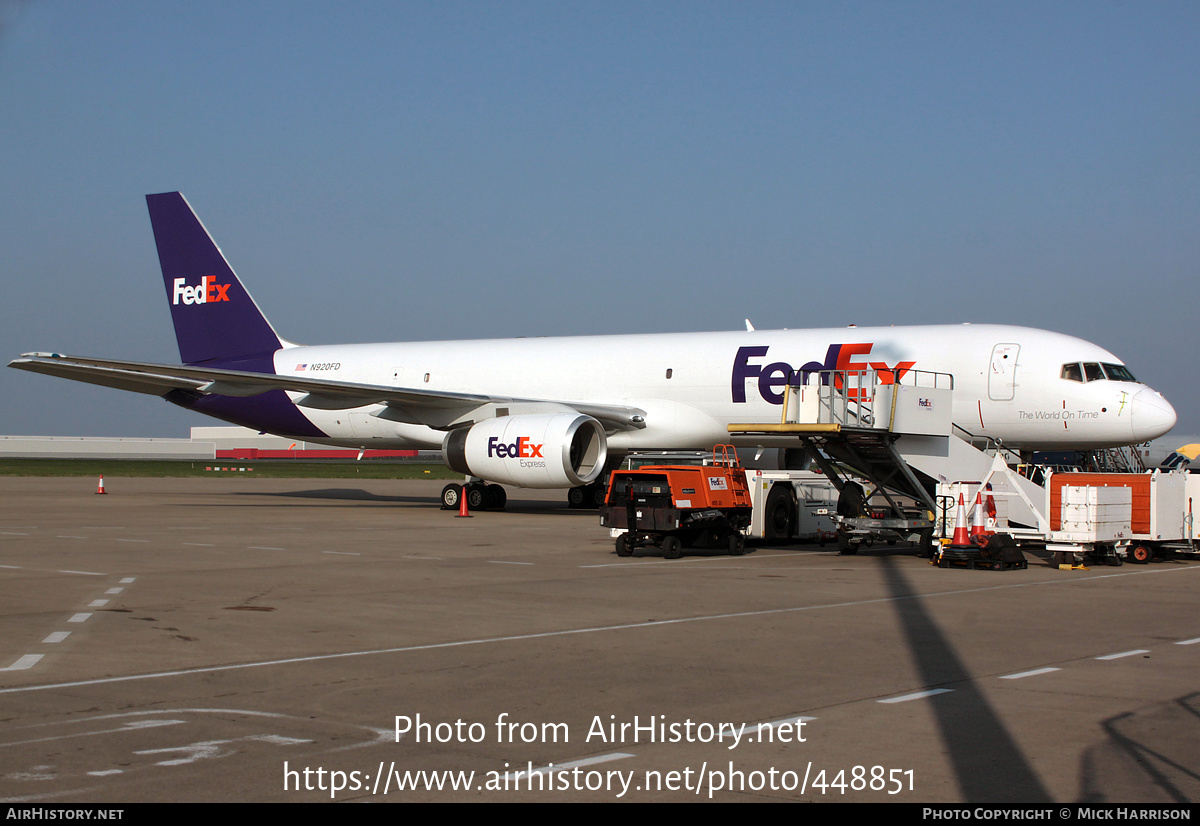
(1002, 375)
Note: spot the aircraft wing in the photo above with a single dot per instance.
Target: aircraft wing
(428, 407)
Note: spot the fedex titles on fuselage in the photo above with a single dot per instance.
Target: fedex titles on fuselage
(773, 377)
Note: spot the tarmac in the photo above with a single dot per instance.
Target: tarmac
(243, 639)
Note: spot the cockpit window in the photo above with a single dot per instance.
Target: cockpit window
(1091, 371)
(1118, 372)
(1072, 372)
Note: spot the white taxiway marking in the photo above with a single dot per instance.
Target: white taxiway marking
(571, 632)
(106, 773)
(14, 533)
(1192, 641)
(128, 580)
(97, 603)
(79, 618)
(264, 548)
(14, 567)
(343, 553)
(1133, 653)
(919, 695)
(83, 573)
(212, 748)
(130, 726)
(133, 540)
(114, 590)
(277, 739)
(57, 636)
(1033, 673)
(506, 562)
(24, 662)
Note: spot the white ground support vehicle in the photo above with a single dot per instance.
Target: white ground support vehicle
(1113, 517)
(792, 505)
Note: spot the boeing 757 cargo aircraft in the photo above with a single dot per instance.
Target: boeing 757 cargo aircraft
(547, 412)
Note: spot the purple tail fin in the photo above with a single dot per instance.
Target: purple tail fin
(215, 318)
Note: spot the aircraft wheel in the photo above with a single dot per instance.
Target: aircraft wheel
(496, 497)
(577, 497)
(476, 496)
(623, 548)
(450, 495)
(672, 547)
(1140, 554)
(599, 494)
(780, 510)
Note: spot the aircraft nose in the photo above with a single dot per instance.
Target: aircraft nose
(1151, 415)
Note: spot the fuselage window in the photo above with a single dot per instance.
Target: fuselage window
(1092, 371)
(1072, 372)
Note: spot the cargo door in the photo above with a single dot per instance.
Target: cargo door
(1002, 375)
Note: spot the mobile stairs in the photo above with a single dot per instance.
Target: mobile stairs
(895, 431)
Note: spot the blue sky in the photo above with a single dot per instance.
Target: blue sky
(408, 171)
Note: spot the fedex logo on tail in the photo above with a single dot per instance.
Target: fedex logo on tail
(207, 292)
(773, 377)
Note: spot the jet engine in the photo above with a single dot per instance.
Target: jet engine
(553, 450)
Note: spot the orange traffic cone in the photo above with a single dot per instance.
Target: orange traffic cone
(978, 529)
(462, 502)
(962, 539)
(101, 488)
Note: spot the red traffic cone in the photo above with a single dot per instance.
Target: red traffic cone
(962, 539)
(101, 488)
(462, 502)
(978, 529)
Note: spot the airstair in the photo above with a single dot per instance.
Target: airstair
(895, 430)
(1115, 460)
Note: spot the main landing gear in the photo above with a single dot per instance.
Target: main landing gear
(480, 497)
(587, 496)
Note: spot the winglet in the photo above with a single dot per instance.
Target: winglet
(215, 317)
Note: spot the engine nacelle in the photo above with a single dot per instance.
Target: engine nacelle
(552, 450)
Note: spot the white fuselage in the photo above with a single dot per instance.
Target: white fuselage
(1008, 381)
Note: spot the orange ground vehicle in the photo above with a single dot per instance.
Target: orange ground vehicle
(672, 506)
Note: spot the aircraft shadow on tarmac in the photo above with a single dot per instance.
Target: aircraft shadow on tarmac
(1148, 748)
(987, 762)
(791, 545)
(531, 506)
